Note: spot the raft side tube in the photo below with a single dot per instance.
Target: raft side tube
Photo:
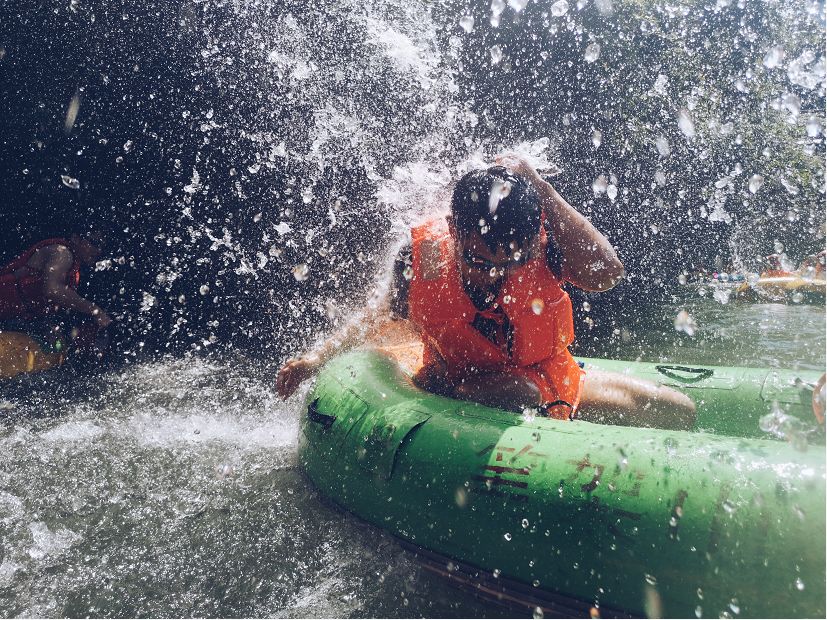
(626, 518)
(730, 400)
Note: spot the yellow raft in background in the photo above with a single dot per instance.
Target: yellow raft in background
(19, 354)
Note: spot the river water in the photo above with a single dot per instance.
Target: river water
(171, 488)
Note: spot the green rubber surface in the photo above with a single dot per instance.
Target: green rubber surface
(633, 521)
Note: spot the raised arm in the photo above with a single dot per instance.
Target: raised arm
(588, 259)
(377, 311)
(58, 262)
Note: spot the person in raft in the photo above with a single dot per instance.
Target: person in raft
(483, 287)
(43, 281)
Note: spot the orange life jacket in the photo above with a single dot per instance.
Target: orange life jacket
(538, 309)
(24, 296)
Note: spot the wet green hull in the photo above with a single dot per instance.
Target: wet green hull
(632, 521)
(730, 400)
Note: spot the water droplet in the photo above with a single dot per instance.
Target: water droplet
(524, 523)
(559, 8)
(685, 123)
(728, 506)
(587, 306)
(799, 585)
(798, 297)
(204, 289)
(507, 536)
(700, 593)
(597, 138)
(791, 188)
(734, 606)
(301, 272)
(611, 191)
(685, 323)
(755, 183)
(70, 182)
(650, 579)
(529, 413)
(467, 23)
(813, 127)
(699, 612)
(792, 103)
(496, 573)
(497, 6)
(774, 57)
(592, 52)
(408, 273)
(682, 279)
(721, 295)
(496, 54)
(538, 613)
(662, 145)
(537, 306)
(604, 7)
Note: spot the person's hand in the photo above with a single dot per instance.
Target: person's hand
(519, 165)
(102, 320)
(295, 371)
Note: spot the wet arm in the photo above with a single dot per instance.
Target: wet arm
(588, 260)
(377, 311)
(58, 265)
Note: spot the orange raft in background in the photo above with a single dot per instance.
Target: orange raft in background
(785, 289)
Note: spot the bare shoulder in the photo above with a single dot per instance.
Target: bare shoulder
(54, 258)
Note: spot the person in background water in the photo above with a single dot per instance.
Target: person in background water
(483, 288)
(42, 282)
(813, 266)
(775, 267)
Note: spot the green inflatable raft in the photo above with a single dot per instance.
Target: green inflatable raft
(573, 518)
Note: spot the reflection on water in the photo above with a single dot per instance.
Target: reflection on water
(725, 334)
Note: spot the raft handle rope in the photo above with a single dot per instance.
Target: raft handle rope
(671, 371)
(314, 415)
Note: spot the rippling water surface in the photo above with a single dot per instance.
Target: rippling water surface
(172, 489)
